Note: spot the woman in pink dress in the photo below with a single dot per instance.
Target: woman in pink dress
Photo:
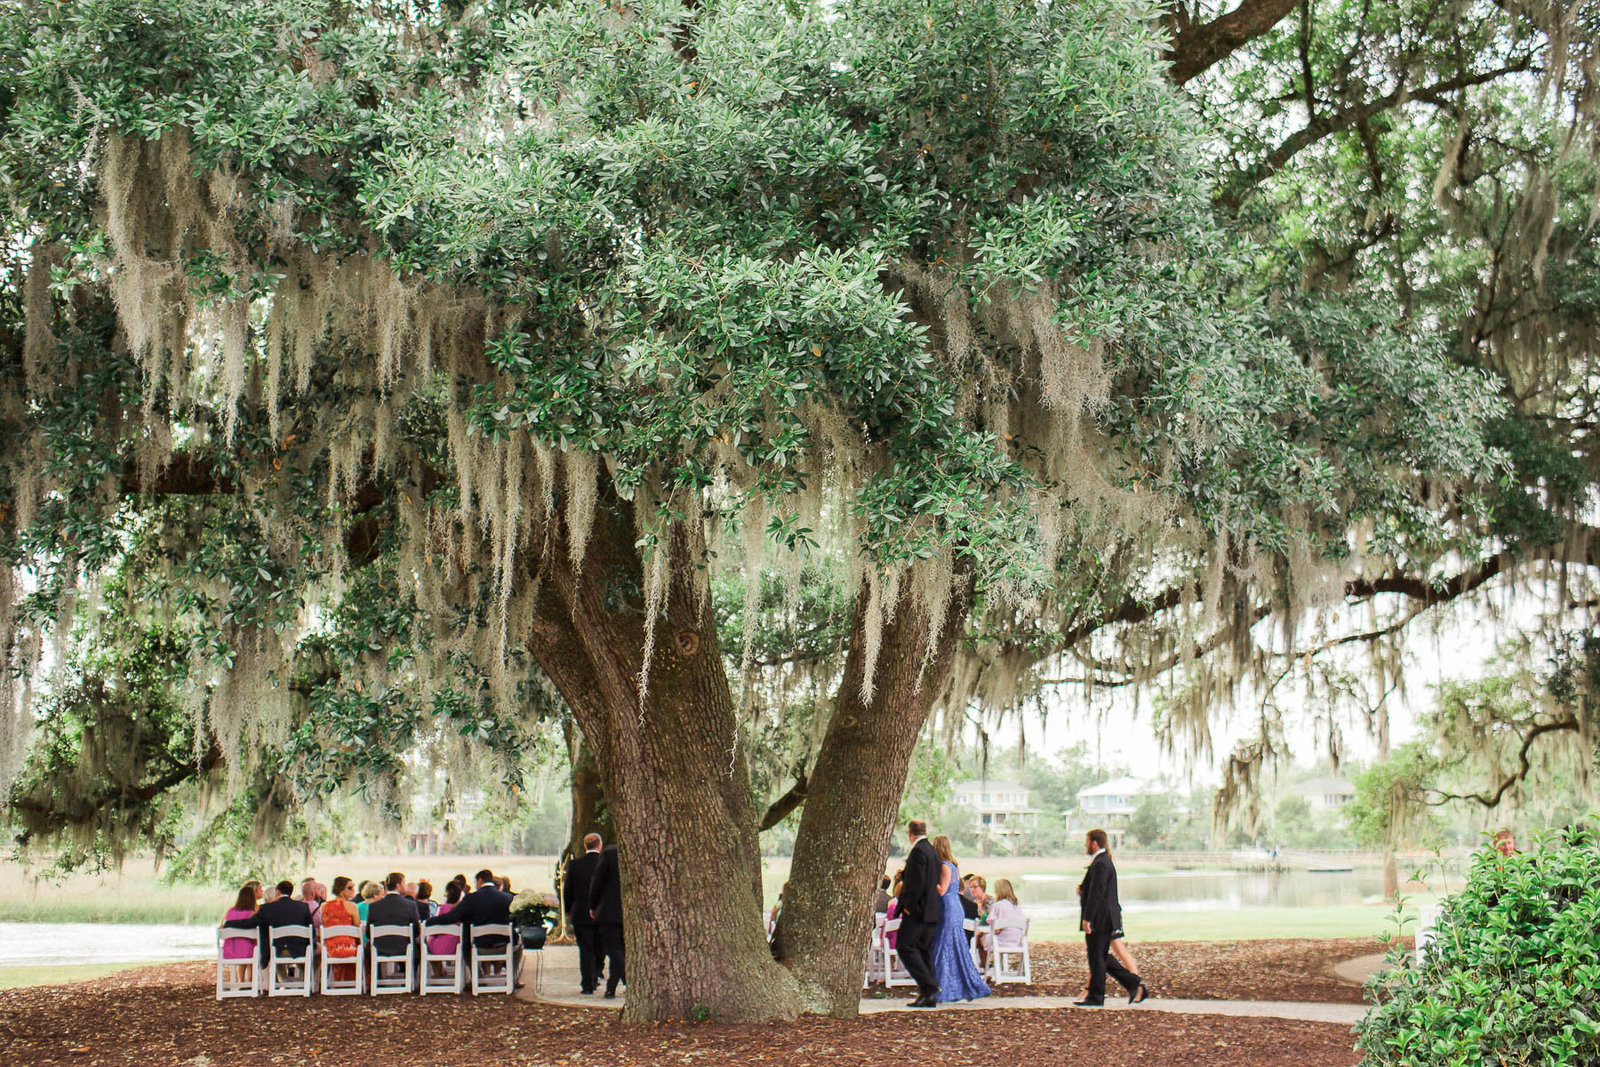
(240, 948)
(445, 944)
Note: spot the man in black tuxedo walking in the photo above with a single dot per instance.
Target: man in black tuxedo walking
(575, 902)
(920, 911)
(605, 908)
(1100, 915)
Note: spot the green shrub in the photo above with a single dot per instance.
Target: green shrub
(1512, 975)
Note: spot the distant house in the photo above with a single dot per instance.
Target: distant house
(999, 807)
(1110, 806)
(1325, 793)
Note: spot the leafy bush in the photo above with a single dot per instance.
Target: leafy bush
(1512, 975)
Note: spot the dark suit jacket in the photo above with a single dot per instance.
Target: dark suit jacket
(919, 885)
(394, 909)
(284, 911)
(1100, 906)
(575, 891)
(481, 907)
(605, 889)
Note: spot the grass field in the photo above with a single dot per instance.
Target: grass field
(19, 977)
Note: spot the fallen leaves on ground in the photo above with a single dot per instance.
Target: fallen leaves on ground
(165, 1015)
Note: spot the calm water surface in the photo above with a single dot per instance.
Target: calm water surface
(35, 944)
(1055, 896)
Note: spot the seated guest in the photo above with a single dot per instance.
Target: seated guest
(242, 913)
(880, 903)
(484, 906)
(423, 897)
(283, 910)
(890, 912)
(505, 884)
(1005, 913)
(313, 897)
(444, 944)
(370, 891)
(341, 911)
(394, 908)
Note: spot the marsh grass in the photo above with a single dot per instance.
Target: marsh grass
(137, 894)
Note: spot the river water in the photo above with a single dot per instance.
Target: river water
(1055, 896)
(1045, 896)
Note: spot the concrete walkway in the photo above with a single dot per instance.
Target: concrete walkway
(558, 984)
(1361, 968)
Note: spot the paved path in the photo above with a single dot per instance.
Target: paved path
(1361, 968)
(559, 985)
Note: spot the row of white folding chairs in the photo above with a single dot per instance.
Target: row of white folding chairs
(1007, 964)
(286, 975)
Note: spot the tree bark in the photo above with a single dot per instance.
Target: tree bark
(591, 813)
(673, 769)
(854, 793)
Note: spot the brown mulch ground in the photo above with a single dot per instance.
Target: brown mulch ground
(167, 1015)
(1275, 969)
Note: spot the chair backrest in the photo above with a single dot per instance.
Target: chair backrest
(340, 931)
(390, 931)
(969, 925)
(277, 933)
(892, 925)
(491, 930)
(243, 933)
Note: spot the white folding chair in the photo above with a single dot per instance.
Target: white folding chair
(970, 928)
(1010, 963)
(452, 977)
(400, 979)
(1427, 922)
(894, 972)
(290, 975)
(231, 980)
(485, 979)
(347, 987)
(874, 963)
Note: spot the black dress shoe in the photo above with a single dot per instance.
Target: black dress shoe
(1139, 994)
(1088, 1003)
(611, 994)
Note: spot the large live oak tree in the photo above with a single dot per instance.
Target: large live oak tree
(532, 317)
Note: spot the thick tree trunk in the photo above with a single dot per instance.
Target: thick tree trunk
(673, 770)
(842, 845)
(591, 813)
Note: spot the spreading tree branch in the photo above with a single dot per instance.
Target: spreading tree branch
(1196, 48)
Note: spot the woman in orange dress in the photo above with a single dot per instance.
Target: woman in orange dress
(340, 912)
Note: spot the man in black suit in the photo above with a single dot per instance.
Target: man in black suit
(920, 911)
(394, 908)
(283, 910)
(605, 908)
(1100, 914)
(486, 905)
(575, 902)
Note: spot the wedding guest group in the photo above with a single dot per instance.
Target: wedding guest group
(390, 902)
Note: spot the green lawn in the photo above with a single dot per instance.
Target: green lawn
(18, 977)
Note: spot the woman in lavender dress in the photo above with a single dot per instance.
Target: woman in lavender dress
(952, 958)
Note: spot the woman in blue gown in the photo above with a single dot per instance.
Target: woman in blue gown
(952, 958)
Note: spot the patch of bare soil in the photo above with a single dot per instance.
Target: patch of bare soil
(167, 1015)
(1275, 969)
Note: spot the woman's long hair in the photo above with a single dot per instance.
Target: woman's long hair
(941, 845)
(246, 900)
(1003, 891)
